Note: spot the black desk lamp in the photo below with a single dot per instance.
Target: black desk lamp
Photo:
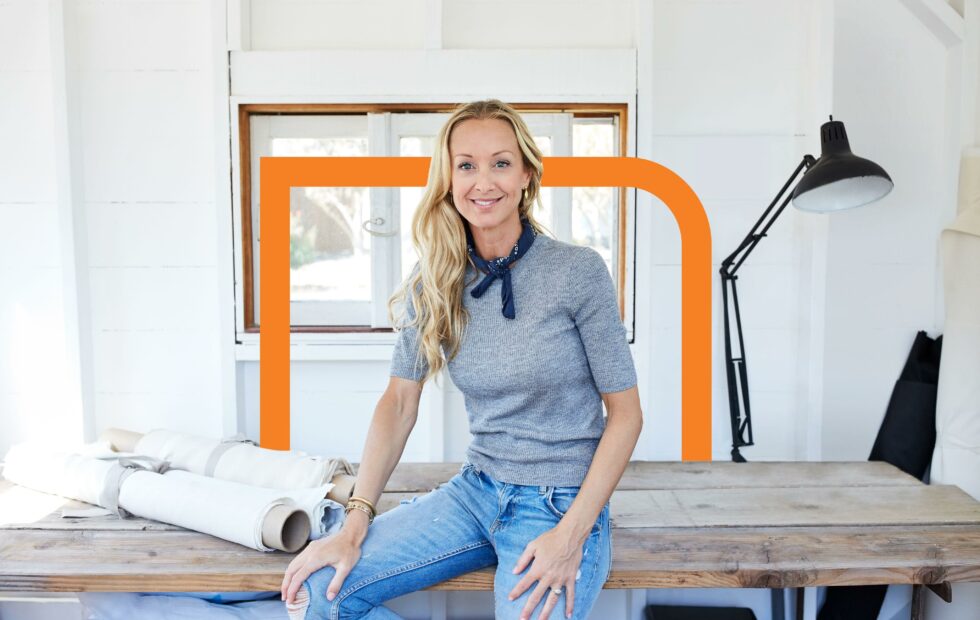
(838, 180)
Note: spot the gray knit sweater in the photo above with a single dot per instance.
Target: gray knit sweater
(532, 384)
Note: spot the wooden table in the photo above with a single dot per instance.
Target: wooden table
(675, 524)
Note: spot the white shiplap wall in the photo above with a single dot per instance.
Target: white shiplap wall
(883, 279)
(38, 394)
(734, 99)
(107, 111)
(147, 133)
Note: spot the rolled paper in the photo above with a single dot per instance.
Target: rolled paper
(260, 518)
(121, 440)
(238, 460)
(69, 475)
(228, 510)
(343, 487)
(286, 528)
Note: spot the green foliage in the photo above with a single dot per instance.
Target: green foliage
(301, 250)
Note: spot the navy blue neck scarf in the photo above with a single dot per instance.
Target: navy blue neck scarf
(500, 267)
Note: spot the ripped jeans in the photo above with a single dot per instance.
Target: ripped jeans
(471, 522)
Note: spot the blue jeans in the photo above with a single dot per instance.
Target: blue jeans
(471, 522)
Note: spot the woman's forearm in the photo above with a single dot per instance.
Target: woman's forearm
(611, 457)
(386, 439)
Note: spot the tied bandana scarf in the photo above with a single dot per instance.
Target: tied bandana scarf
(500, 267)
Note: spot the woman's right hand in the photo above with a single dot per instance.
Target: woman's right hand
(341, 550)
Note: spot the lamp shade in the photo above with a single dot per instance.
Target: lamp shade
(839, 179)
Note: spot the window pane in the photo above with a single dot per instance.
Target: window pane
(594, 209)
(544, 213)
(410, 197)
(329, 251)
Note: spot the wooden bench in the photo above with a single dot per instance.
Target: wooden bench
(674, 525)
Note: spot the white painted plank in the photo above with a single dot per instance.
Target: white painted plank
(552, 24)
(143, 36)
(569, 74)
(152, 234)
(160, 361)
(940, 19)
(222, 239)
(23, 46)
(749, 167)
(77, 383)
(25, 235)
(154, 299)
(684, 27)
(311, 24)
(179, 408)
(148, 136)
(27, 168)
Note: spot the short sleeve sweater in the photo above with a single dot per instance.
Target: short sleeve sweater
(532, 384)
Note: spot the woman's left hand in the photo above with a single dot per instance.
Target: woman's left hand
(556, 563)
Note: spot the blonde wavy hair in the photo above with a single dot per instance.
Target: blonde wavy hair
(439, 237)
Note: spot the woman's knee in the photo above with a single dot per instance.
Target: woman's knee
(319, 608)
(346, 605)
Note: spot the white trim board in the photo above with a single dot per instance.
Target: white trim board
(941, 19)
(72, 226)
(423, 75)
(223, 206)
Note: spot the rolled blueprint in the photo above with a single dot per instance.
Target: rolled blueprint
(259, 518)
(263, 519)
(238, 460)
(121, 440)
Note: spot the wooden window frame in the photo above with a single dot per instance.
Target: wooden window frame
(246, 110)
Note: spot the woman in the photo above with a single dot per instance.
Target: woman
(534, 362)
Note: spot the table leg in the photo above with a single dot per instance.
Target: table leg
(636, 602)
(778, 603)
(806, 603)
(918, 603)
(438, 602)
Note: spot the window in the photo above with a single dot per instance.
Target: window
(350, 247)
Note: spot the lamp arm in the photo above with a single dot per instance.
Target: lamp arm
(731, 264)
(735, 367)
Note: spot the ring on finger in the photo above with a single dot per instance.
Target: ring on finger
(556, 591)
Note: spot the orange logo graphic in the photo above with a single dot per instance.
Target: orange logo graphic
(278, 174)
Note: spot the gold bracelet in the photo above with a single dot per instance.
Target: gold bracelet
(361, 499)
(362, 508)
(362, 502)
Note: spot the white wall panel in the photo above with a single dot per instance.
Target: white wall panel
(143, 36)
(147, 136)
(146, 115)
(23, 41)
(890, 90)
(742, 82)
(32, 344)
(33, 364)
(163, 361)
(147, 234)
(381, 24)
(433, 75)
(29, 235)
(27, 158)
(483, 24)
(732, 167)
(147, 298)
